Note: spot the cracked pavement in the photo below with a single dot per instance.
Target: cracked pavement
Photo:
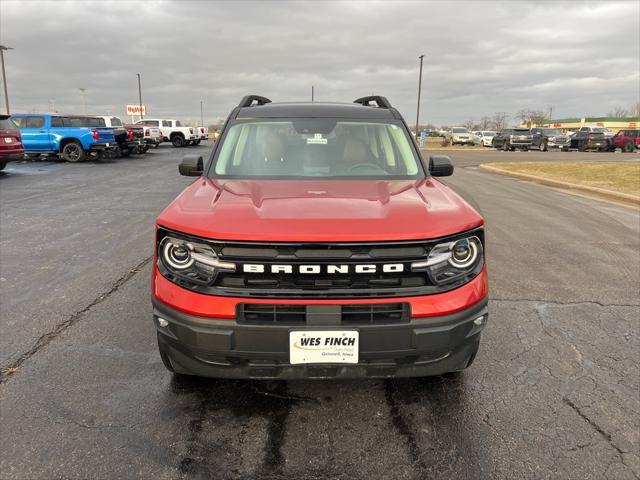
(554, 391)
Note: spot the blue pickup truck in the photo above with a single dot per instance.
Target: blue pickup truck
(69, 136)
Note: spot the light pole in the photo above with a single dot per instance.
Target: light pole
(201, 114)
(4, 77)
(140, 96)
(419, 90)
(312, 93)
(84, 100)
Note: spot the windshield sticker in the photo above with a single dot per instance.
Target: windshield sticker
(317, 140)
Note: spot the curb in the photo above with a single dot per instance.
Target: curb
(620, 197)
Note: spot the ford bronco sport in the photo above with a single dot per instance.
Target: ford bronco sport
(317, 243)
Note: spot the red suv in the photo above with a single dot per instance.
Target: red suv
(10, 142)
(627, 140)
(317, 243)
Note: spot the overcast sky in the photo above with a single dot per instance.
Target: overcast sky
(581, 58)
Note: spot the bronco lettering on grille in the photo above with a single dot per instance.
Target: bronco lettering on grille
(328, 269)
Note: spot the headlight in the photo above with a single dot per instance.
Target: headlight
(452, 261)
(190, 260)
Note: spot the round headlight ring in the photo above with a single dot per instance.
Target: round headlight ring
(177, 254)
(464, 253)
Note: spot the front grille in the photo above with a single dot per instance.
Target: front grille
(317, 259)
(345, 315)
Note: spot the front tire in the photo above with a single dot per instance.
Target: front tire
(177, 141)
(197, 142)
(73, 152)
(2, 165)
(628, 147)
(543, 146)
(505, 147)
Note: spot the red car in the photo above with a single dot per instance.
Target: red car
(627, 140)
(316, 242)
(11, 148)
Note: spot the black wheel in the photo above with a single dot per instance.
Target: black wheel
(177, 141)
(144, 149)
(73, 152)
(197, 142)
(628, 147)
(2, 165)
(543, 146)
(505, 147)
(125, 152)
(582, 146)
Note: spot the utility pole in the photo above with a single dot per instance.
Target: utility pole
(312, 96)
(550, 114)
(140, 96)
(84, 100)
(4, 77)
(201, 114)
(419, 91)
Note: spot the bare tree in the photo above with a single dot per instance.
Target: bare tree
(469, 125)
(530, 118)
(618, 112)
(499, 120)
(485, 123)
(635, 110)
(538, 117)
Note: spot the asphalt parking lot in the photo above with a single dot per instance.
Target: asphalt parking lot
(554, 391)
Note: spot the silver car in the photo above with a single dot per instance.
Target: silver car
(459, 136)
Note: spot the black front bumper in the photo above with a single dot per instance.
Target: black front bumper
(223, 348)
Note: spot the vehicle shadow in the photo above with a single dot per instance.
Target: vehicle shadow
(434, 416)
(437, 418)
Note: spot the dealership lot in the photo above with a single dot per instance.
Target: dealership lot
(553, 392)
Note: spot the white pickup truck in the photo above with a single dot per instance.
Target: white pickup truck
(173, 131)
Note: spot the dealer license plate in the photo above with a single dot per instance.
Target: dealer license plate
(323, 346)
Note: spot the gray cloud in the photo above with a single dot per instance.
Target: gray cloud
(582, 58)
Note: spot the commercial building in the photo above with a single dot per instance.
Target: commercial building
(612, 123)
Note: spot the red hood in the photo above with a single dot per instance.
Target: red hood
(319, 210)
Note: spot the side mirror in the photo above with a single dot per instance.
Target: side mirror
(440, 166)
(191, 166)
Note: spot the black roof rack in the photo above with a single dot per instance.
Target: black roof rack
(249, 99)
(381, 102)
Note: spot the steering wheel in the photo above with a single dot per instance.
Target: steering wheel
(367, 168)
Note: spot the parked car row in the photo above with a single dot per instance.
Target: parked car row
(77, 137)
(587, 138)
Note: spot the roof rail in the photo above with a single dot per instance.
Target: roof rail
(249, 99)
(381, 102)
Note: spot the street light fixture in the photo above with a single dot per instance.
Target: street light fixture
(419, 90)
(4, 77)
(140, 96)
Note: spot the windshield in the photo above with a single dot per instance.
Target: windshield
(551, 131)
(316, 148)
(459, 130)
(489, 134)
